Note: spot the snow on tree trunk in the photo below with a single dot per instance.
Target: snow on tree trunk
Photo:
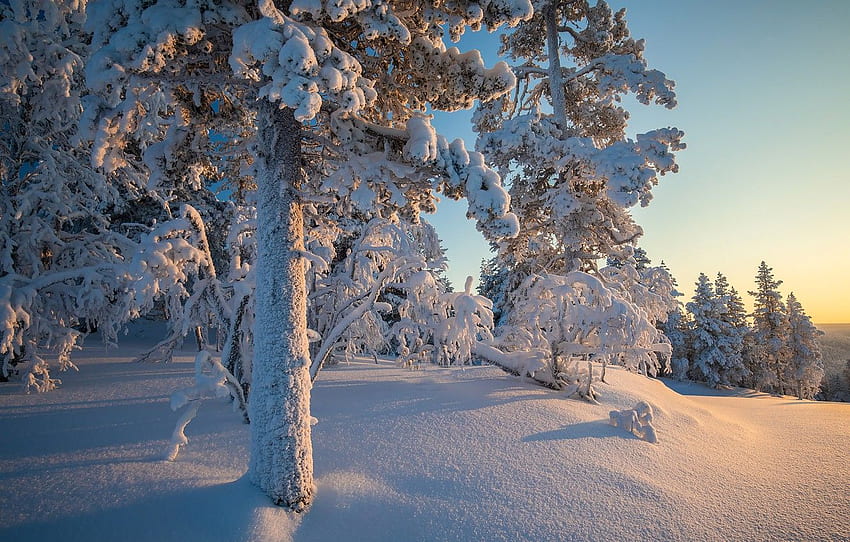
(281, 461)
(556, 80)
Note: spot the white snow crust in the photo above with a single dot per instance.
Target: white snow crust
(436, 454)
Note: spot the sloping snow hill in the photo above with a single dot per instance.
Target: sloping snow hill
(434, 454)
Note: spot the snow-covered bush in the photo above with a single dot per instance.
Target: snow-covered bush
(577, 321)
(637, 421)
(465, 319)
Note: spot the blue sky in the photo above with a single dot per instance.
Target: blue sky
(764, 101)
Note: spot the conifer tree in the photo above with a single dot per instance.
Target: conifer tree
(677, 329)
(734, 316)
(61, 254)
(560, 139)
(709, 335)
(492, 284)
(805, 368)
(767, 343)
(352, 80)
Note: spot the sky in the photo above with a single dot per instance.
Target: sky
(764, 100)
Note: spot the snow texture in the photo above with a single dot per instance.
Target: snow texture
(435, 454)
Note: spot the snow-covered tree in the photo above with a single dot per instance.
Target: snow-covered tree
(835, 385)
(560, 138)
(353, 79)
(493, 284)
(651, 288)
(369, 266)
(465, 319)
(574, 321)
(677, 329)
(61, 253)
(716, 345)
(767, 343)
(174, 265)
(734, 316)
(805, 368)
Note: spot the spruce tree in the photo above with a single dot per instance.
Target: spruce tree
(767, 343)
(707, 333)
(734, 316)
(805, 368)
(677, 330)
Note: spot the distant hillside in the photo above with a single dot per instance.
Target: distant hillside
(835, 347)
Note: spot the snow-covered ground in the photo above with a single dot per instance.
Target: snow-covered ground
(434, 454)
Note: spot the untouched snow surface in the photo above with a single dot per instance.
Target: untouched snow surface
(434, 454)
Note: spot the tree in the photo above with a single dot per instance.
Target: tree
(492, 284)
(560, 138)
(348, 299)
(805, 367)
(576, 319)
(573, 173)
(677, 329)
(734, 316)
(62, 257)
(465, 319)
(347, 79)
(715, 343)
(767, 343)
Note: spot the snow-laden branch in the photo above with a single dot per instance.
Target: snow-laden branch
(212, 380)
(361, 305)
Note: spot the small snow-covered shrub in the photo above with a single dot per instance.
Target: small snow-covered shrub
(637, 420)
(578, 320)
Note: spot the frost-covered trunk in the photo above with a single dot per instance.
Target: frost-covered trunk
(281, 451)
(556, 79)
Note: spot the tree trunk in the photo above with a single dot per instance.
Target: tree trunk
(281, 451)
(199, 338)
(553, 50)
(231, 355)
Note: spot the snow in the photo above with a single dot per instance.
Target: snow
(433, 454)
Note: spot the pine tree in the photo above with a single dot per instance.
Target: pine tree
(767, 343)
(62, 256)
(573, 173)
(560, 139)
(351, 83)
(805, 367)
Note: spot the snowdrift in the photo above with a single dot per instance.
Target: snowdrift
(434, 454)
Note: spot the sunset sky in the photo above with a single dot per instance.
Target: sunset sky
(764, 101)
